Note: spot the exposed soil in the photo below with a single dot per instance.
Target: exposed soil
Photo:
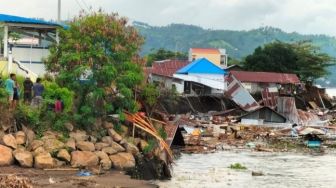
(65, 179)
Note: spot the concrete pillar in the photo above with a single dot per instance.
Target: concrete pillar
(5, 41)
(10, 62)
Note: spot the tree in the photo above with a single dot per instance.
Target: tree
(301, 58)
(162, 54)
(97, 58)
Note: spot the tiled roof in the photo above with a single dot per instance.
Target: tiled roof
(167, 67)
(205, 50)
(265, 77)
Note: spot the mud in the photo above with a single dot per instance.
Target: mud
(69, 179)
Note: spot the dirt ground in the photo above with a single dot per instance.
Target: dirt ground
(65, 179)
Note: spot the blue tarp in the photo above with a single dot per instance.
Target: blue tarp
(17, 19)
(202, 66)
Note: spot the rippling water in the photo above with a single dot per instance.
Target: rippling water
(280, 170)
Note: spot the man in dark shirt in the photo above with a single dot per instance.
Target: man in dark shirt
(38, 89)
(27, 88)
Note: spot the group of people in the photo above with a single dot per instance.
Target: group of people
(32, 92)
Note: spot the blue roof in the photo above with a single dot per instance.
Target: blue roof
(17, 19)
(202, 66)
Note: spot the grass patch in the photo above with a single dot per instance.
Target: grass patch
(237, 166)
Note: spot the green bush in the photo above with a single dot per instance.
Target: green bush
(150, 147)
(237, 166)
(53, 90)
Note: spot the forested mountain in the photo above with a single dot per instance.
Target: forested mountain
(180, 37)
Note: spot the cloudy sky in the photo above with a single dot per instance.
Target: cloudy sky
(303, 16)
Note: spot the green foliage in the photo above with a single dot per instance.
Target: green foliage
(28, 115)
(300, 58)
(162, 133)
(237, 166)
(150, 147)
(150, 94)
(97, 58)
(53, 90)
(162, 54)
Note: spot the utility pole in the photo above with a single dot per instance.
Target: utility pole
(59, 11)
(58, 19)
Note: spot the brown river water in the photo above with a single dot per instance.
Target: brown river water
(284, 170)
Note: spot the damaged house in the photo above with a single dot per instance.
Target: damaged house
(202, 77)
(256, 82)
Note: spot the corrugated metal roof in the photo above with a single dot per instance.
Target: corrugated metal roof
(17, 19)
(265, 77)
(205, 50)
(168, 67)
(202, 66)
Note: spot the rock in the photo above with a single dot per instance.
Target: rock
(71, 144)
(69, 126)
(116, 137)
(63, 154)
(130, 148)
(25, 158)
(107, 139)
(96, 170)
(44, 160)
(20, 137)
(85, 146)
(39, 150)
(6, 156)
(106, 164)
(109, 150)
(83, 159)
(49, 135)
(136, 141)
(124, 130)
(52, 145)
(254, 173)
(9, 140)
(100, 145)
(117, 147)
(122, 161)
(35, 144)
(30, 135)
(102, 155)
(79, 136)
(108, 125)
(92, 139)
(143, 144)
(58, 163)
(104, 159)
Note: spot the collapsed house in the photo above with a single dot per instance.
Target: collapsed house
(256, 82)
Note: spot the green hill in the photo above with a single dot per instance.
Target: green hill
(180, 37)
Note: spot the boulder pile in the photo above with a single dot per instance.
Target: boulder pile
(80, 150)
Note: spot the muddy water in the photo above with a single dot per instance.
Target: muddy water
(280, 170)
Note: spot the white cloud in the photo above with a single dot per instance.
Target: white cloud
(303, 16)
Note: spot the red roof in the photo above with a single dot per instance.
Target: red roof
(205, 50)
(167, 67)
(265, 77)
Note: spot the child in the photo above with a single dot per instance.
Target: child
(59, 105)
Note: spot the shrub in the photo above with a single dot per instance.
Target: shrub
(237, 166)
(150, 147)
(53, 90)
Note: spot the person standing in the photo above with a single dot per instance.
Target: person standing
(38, 89)
(16, 95)
(9, 85)
(27, 90)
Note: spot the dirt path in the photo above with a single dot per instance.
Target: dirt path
(65, 179)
